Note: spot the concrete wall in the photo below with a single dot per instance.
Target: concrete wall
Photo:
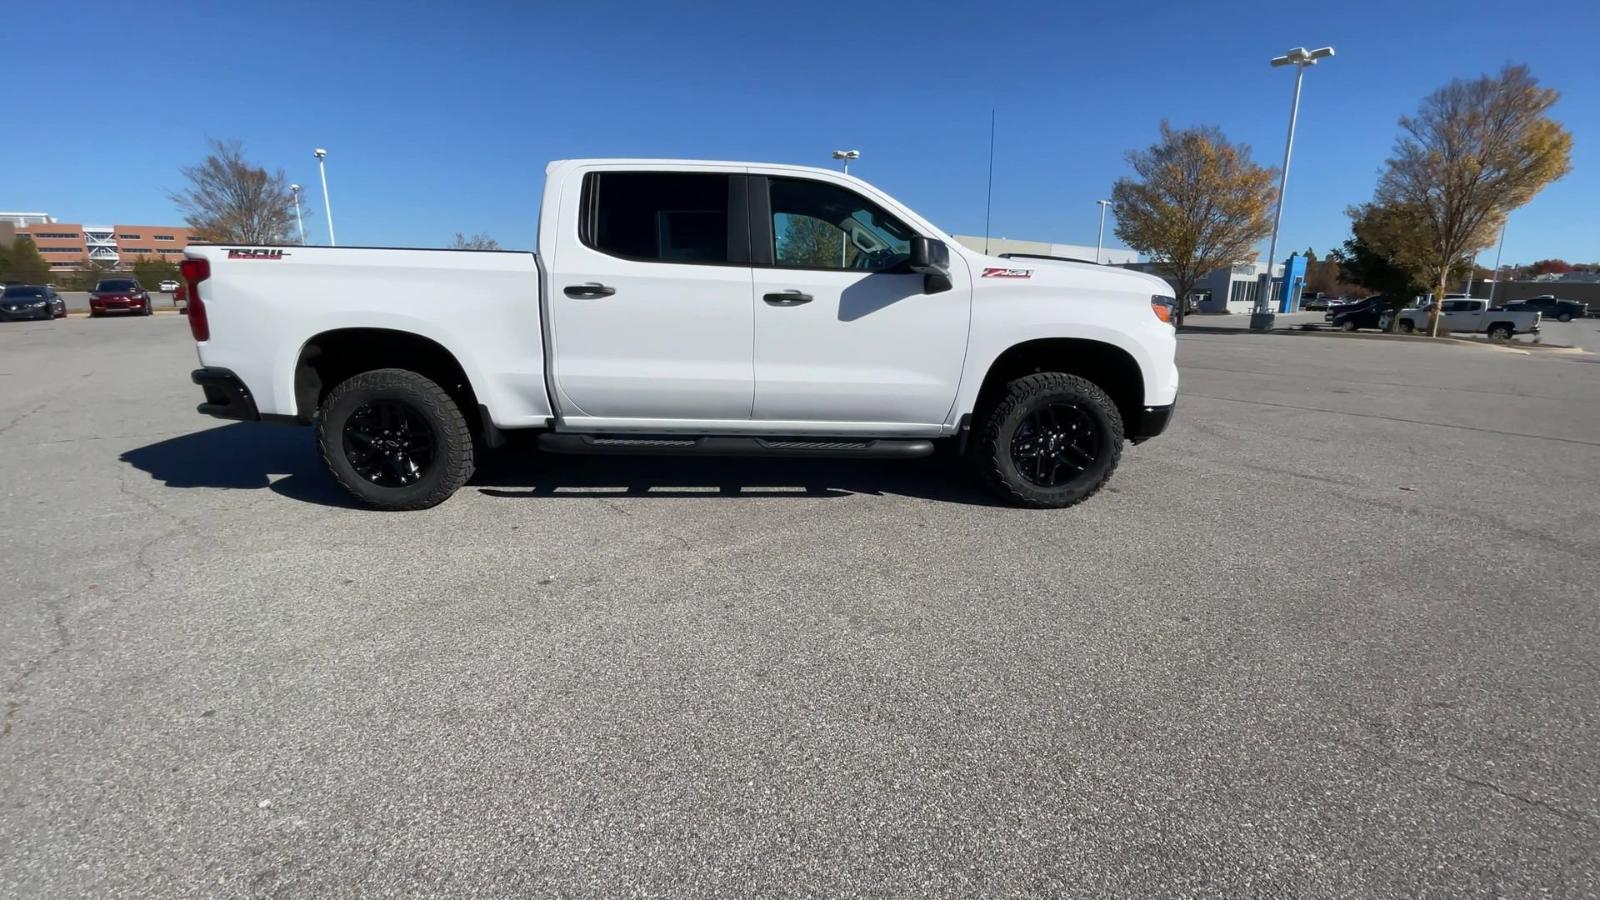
(1506, 291)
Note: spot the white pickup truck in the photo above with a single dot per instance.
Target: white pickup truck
(1463, 314)
(681, 307)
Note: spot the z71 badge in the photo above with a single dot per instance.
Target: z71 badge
(256, 253)
(1008, 273)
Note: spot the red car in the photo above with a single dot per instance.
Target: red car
(119, 295)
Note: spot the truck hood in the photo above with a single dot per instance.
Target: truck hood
(996, 272)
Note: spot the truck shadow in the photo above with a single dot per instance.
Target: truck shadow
(253, 456)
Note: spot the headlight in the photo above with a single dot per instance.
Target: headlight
(1165, 308)
(37, 303)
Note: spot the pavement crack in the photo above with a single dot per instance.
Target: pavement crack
(22, 416)
(14, 702)
(1545, 805)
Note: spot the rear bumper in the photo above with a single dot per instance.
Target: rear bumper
(1151, 421)
(226, 396)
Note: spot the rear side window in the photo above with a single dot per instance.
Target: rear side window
(679, 217)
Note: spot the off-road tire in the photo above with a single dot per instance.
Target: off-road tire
(452, 443)
(998, 427)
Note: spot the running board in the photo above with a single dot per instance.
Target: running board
(683, 445)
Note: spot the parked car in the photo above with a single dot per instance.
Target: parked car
(180, 298)
(691, 308)
(168, 286)
(31, 301)
(1551, 308)
(119, 295)
(1476, 316)
(1313, 302)
(1368, 313)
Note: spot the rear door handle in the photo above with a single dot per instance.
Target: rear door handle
(787, 298)
(588, 291)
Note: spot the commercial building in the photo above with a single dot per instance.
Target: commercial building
(67, 246)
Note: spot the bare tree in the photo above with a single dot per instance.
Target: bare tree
(1198, 203)
(476, 242)
(229, 200)
(1475, 151)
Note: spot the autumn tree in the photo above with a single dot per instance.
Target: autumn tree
(230, 200)
(21, 261)
(1474, 151)
(1196, 203)
(1550, 266)
(476, 242)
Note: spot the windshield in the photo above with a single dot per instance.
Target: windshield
(114, 285)
(24, 291)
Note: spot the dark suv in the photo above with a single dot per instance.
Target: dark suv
(1366, 313)
(1560, 310)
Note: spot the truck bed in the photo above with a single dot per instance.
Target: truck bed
(482, 306)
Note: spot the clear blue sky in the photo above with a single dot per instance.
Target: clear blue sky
(439, 117)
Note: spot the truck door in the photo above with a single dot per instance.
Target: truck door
(844, 333)
(650, 306)
(1463, 315)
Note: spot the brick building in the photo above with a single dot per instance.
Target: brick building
(66, 246)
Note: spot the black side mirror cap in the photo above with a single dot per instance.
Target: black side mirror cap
(929, 256)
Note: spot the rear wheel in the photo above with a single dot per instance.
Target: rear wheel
(395, 440)
(1050, 441)
(1500, 332)
(1564, 317)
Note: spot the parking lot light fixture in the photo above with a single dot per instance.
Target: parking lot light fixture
(294, 191)
(1300, 58)
(847, 155)
(1101, 240)
(327, 205)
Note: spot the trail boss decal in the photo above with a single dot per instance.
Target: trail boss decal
(1007, 273)
(256, 254)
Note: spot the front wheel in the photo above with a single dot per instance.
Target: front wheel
(1050, 441)
(1347, 325)
(1407, 327)
(395, 440)
(1564, 317)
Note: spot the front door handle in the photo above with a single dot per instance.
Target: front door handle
(787, 298)
(588, 291)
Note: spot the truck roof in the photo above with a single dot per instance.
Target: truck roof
(709, 163)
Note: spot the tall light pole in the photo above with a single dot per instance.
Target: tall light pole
(1496, 282)
(294, 191)
(1300, 58)
(1101, 240)
(327, 205)
(847, 155)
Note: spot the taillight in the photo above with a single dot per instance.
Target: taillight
(195, 271)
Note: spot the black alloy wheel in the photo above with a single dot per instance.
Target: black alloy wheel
(394, 439)
(1056, 443)
(389, 443)
(1049, 440)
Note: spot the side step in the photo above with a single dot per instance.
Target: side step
(684, 445)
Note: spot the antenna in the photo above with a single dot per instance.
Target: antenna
(988, 200)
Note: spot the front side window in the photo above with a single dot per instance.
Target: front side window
(822, 226)
(679, 217)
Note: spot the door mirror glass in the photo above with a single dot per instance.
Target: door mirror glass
(929, 256)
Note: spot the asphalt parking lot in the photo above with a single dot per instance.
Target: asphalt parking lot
(1335, 634)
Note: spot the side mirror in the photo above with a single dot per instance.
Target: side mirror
(929, 256)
